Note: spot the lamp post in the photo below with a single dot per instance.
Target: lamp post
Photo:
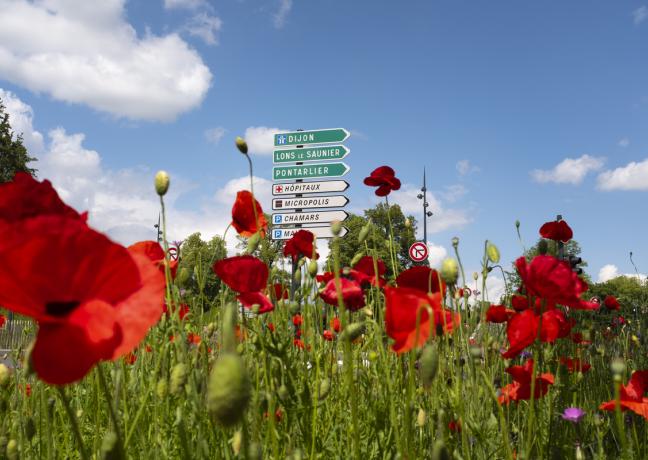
(159, 231)
(426, 213)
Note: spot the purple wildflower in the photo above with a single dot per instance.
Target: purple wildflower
(573, 414)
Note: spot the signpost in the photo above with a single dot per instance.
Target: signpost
(309, 171)
(318, 136)
(418, 251)
(286, 233)
(299, 188)
(326, 153)
(317, 217)
(307, 202)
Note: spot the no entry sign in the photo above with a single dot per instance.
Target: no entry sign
(418, 252)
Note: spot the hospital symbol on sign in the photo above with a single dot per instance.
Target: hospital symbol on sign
(278, 188)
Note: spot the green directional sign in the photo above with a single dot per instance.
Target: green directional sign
(318, 136)
(309, 171)
(324, 153)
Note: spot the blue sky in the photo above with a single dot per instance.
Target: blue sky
(518, 110)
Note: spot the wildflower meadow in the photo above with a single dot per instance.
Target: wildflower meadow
(296, 359)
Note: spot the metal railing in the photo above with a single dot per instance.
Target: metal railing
(15, 334)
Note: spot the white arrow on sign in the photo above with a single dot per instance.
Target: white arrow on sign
(331, 201)
(301, 188)
(418, 251)
(319, 232)
(291, 218)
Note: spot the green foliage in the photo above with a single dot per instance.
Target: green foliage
(632, 294)
(197, 257)
(269, 250)
(13, 154)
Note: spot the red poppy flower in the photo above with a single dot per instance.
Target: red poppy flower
(366, 267)
(579, 339)
(611, 303)
(301, 244)
(182, 311)
(297, 320)
(25, 197)
(328, 335)
(149, 349)
(522, 330)
(423, 278)
(324, 277)
(404, 305)
(28, 390)
(193, 338)
(299, 343)
(280, 291)
(155, 254)
(248, 276)
(130, 358)
(632, 395)
(455, 426)
(298, 333)
(336, 324)
(97, 304)
(499, 314)
(519, 302)
(557, 231)
(243, 219)
(352, 295)
(3, 320)
(520, 389)
(271, 327)
(575, 365)
(554, 281)
(385, 179)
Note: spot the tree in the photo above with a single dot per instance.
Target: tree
(13, 154)
(269, 250)
(631, 292)
(196, 260)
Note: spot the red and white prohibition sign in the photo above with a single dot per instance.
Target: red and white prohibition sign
(418, 252)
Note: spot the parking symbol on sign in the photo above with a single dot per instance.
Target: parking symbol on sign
(277, 233)
(277, 219)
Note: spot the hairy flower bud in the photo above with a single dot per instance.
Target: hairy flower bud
(253, 243)
(543, 247)
(5, 374)
(440, 451)
(12, 449)
(356, 258)
(110, 447)
(324, 389)
(364, 231)
(492, 252)
(241, 145)
(336, 227)
(353, 331)
(421, 418)
(162, 388)
(455, 242)
(162, 182)
(178, 377)
(228, 389)
(312, 268)
(429, 364)
(229, 327)
(449, 270)
(618, 366)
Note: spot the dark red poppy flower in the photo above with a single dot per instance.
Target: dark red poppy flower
(579, 339)
(97, 304)
(325, 277)
(328, 335)
(611, 303)
(25, 197)
(130, 358)
(352, 294)
(280, 291)
(298, 333)
(193, 338)
(299, 343)
(366, 267)
(553, 281)
(575, 365)
(520, 389)
(243, 215)
(301, 244)
(455, 426)
(271, 327)
(248, 276)
(519, 302)
(297, 320)
(28, 390)
(404, 306)
(499, 314)
(522, 330)
(149, 349)
(3, 320)
(557, 231)
(183, 311)
(336, 324)
(385, 179)
(155, 254)
(423, 278)
(632, 395)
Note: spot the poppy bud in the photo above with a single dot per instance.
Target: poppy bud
(253, 243)
(364, 231)
(241, 145)
(579, 453)
(356, 258)
(618, 367)
(421, 417)
(294, 308)
(492, 252)
(455, 242)
(336, 227)
(543, 247)
(475, 276)
(440, 451)
(408, 223)
(517, 224)
(5, 374)
(283, 393)
(229, 327)
(324, 389)
(110, 447)
(12, 449)
(178, 377)
(228, 389)
(367, 311)
(30, 428)
(429, 364)
(297, 276)
(373, 356)
(162, 388)
(162, 181)
(449, 270)
(312, 268)
(353, 331)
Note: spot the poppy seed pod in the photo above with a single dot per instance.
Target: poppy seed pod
(241, 145)
(449, 270)
(429, 364)
(228, 389)
(178, 377)
(492, 252)
(162, 182)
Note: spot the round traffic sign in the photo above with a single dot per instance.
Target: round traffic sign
(418, 252)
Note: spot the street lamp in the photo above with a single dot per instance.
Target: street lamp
(426, 213)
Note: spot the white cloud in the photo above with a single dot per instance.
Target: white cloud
(262, 191)
(464, 167)
(282, 13)
(87, 53)
(204, 26)
(569, 171)
(214, 135)
(188, 4)
(442, 218)
(633, 176)
(454, 192)
(640, 15)
(260, 139)
(610, 271)
(436, 254)
(21, 120)
(624, 142)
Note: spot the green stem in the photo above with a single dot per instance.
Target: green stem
(111, 410)
(73, 422)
